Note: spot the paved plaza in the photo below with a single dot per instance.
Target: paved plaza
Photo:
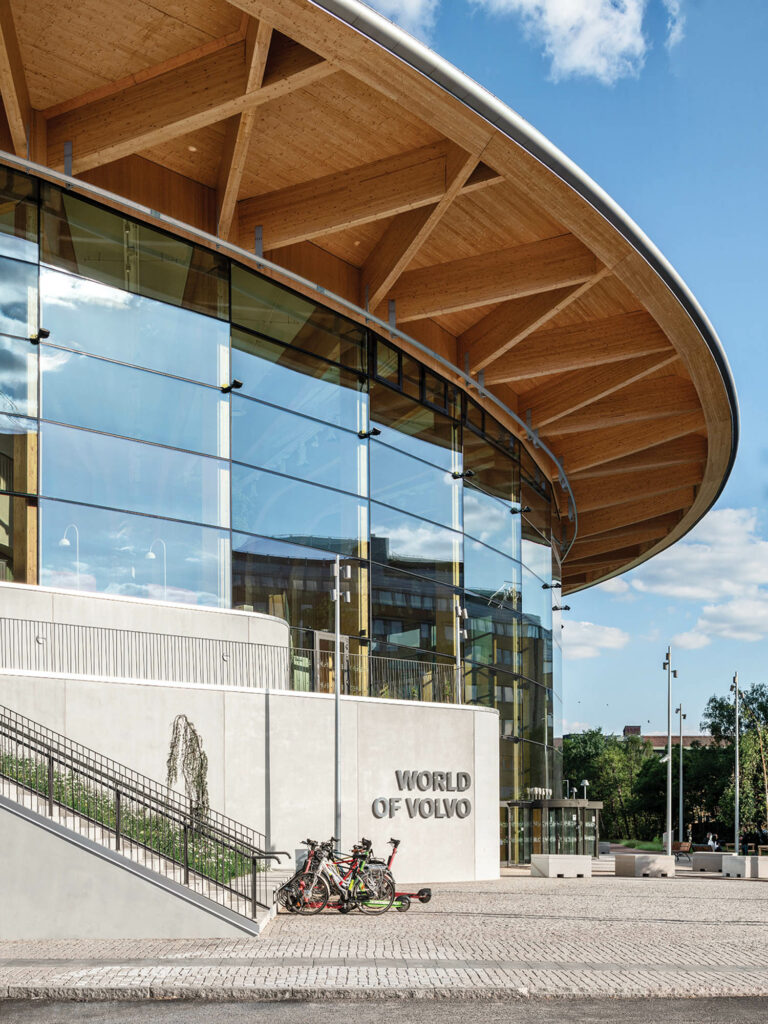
(516, 938)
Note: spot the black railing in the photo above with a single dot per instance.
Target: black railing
(143, 820)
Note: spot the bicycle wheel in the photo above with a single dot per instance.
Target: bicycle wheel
(313, 895)
(376, 894)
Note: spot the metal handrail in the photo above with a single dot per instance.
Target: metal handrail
(133, 809)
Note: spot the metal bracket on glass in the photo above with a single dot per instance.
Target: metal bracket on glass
(68, 158)
(258, 240)
(392, 310)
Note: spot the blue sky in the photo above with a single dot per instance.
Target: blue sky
(664, 104)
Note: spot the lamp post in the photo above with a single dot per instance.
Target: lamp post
(735, 692)
(679, 711)
(461, 634)
(584, 784)
(151, 556)
(337, 596)
(65, 543)
(670, 673)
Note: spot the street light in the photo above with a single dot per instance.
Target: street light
(667, 664)
(150, 555)
(735, 691)
(679, 711)
(337, 596)
(584, 784)
(65, 543)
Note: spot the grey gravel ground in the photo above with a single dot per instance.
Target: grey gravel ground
(585, 1011)
(518, 938)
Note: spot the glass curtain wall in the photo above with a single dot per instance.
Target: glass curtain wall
(177, 427)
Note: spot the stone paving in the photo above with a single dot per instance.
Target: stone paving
(518, 937)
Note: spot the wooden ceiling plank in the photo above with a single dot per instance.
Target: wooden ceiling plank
(240, 128)
(408, 231)
(672, 453)
(511, 322)
(13, 82)
(654, 398)
(370, 192)
(582, 345)
(577, 389)
(522, 270)
(635, 533)
(619, 489)
(176, 103)
(615, 556)
(600, 521)
(581, 453)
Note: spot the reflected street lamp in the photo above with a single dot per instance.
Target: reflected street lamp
(65, 543)
(584, 784)
(150, 555)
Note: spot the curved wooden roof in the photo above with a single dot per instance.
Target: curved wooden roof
(369, 165)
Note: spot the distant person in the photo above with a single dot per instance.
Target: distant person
(716, 847)
(711, 842)
(689, 834)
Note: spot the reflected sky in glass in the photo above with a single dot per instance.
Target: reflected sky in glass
(18, 298)
(16, 248)
(285, 443)
(88, 392)
(410, 484)
(538, 557)
(105, 321)
(490, 520)
(537, 602)
(299, 382)
(302, 513)
(191, 563)
(18, 377)
(490, 574)
(82, 466)
(414, 545)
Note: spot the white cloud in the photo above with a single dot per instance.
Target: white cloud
(589, 640)
(675, 22)
(415, 16)
(598, 38)
(571, 727)
(616, 587)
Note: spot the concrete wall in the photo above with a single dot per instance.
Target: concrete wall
(51, 888)
(271, 757)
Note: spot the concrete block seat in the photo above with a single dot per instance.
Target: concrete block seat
(645, 865)
(603, 849)
(560, 865)
(707, 861)
(735, 866)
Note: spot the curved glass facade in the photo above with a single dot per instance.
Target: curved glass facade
(125, 468)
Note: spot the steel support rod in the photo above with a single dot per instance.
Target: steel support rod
(669, 751)
(736, 849)
(337, 699)
(680, 755)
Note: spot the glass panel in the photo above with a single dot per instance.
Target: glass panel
(95, 549)
(412, 428)
(100, 470)
(88, 392)
(536, 495)
(88, 240)
(265, 436)
(490, 574)
(286, 509)
(495, 472)
(415, 545)
(18, 377)
(537, 602)
(18, 298)
(412, 612)
(18, 215)
(387, 363)
(493, 633)
(276, 312)
(490, 520)
(557, 717)
(110, 322)
(300, 382)
(18, 515)
(537, 555)
(294, 583)
(410, 484)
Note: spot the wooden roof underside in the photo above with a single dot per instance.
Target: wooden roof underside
(369, 179)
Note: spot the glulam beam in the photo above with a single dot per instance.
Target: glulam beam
(13, 82)
(544, 266)
(240, 127)
(652, 399)
(577, 346)
(636, 533)
(580, 453)
(409, 231)
(672, 453)
(616, 516)
(370, 192)
(619, 489)
(182, 100)
(577, 389)
(511, 322)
